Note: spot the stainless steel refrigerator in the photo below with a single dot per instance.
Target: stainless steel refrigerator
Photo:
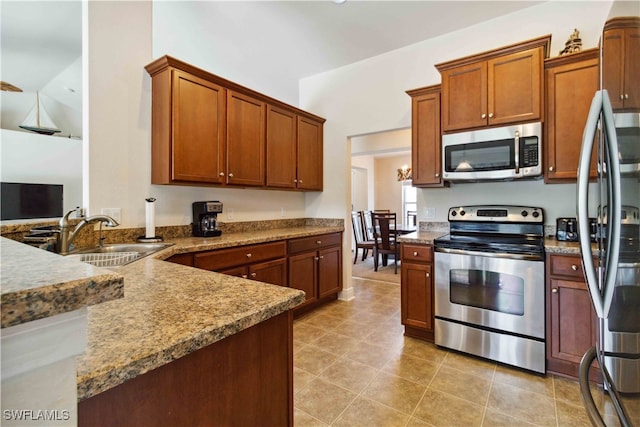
(612, 135)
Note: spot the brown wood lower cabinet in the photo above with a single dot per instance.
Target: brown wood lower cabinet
(311, 264)
(315, 266)
(245, 379)
(416, 290)
(572, 325)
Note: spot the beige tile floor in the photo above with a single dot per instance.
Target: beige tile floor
(354, 367)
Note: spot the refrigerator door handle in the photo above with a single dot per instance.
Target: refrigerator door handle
(615, 204)
(584, 164)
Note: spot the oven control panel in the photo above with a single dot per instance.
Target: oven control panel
(497, 213)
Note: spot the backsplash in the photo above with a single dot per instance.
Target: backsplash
(89, 237)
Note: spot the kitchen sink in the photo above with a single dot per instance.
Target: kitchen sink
(116, 255)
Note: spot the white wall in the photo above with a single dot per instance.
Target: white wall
(42, 159)
(119, 115)
(369, 96)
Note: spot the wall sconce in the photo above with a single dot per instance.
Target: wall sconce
(404, 173)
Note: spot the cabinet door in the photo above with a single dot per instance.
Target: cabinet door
(573, 323)
(632, 68)
(197, 149)
(569, 90)
(329, 271)
(464, 97)
(417, 296)
(281, 148)
(515, 87)
(302, 275)
(426, 149)
(274, 272)
(245, 140)
(309, 170)
(613, 66)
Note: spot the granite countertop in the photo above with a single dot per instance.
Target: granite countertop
(37, 284)
(170, 310)
(421, 237)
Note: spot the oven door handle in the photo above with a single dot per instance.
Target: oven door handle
(491, 254)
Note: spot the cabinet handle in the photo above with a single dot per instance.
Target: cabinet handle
(554, 290)
(319, 242)
(244, 276)
(221, 173)
(253, 274)
(248, 255)
(550, 168)
(300, 182)
(484, 116)
(490, 115)
(415, 254)
(626, 96)
(295, 180)
(231, 175)
(428, 275)
(437, 175)
(621, 96)
(316, 258)
(574, 267)
(321, 256)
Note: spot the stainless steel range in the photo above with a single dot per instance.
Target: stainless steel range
(489, 284)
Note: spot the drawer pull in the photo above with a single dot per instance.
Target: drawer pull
(248, 255)
(253, 275)
(244, 276)
(316, 258)
(319, 242)
(554, 290)
(428, 275)
(574, 267)
(321, 256)
(415, 254)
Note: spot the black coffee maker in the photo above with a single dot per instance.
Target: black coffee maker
(205, 218)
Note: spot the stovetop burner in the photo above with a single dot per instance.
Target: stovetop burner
(495, 229)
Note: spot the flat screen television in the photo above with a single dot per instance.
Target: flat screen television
(20, 200)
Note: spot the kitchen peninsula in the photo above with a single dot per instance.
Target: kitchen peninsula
(193, 335)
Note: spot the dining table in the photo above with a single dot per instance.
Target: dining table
(402, 228)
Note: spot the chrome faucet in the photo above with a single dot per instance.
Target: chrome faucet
(66, 237)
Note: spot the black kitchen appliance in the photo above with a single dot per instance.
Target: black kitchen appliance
(205, 218)
(567, 229)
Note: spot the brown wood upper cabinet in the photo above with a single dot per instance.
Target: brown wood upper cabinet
(571, 82)
(498, 87)
(294, 150)
(426, 146)
(621, 62)
(245, 140)
(210, 131)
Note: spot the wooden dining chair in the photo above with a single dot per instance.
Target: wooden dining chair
(367, 224)
(386, 238)
(360, 236)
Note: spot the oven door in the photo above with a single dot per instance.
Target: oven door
(490, 291)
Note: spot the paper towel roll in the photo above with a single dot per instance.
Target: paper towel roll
(150, 218)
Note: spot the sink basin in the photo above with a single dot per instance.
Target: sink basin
(116, 255)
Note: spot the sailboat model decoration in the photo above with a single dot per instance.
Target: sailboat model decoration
(39, 121)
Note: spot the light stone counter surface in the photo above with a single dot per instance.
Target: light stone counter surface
(37, 284)
(421, 237)
(170, 310)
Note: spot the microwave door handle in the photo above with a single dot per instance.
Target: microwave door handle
(582, 208)
(517, 152)
(614, 201)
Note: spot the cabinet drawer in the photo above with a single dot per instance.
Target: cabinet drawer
(417, 253)
(227, 258)
(566, 265)
(305, 244)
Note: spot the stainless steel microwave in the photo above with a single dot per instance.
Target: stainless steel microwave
(504, 153)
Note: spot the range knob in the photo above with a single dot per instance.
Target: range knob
(454, 213)
(535, 214)
(524, 213)
(462, 213)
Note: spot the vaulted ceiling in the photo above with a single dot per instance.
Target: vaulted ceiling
(41, 41)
